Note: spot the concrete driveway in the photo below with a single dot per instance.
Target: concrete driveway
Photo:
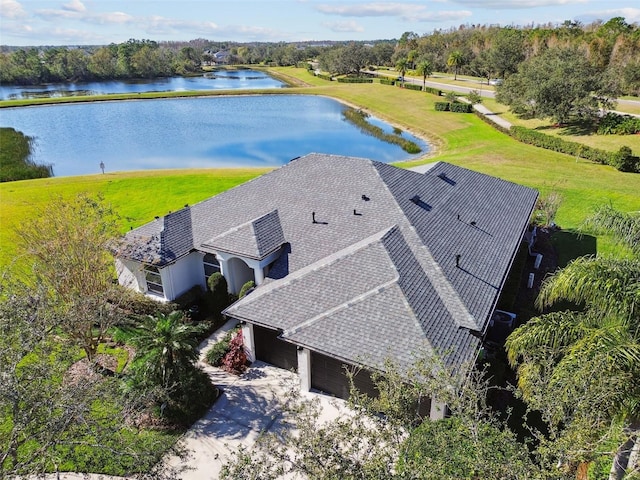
(250, 405)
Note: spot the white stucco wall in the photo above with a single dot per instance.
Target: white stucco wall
(129, 274)
(181, 275)
(177, 278)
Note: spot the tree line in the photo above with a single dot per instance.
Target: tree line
(611, 48)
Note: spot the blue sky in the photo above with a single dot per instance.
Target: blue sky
(90, 22)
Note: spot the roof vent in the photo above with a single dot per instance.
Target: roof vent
(355, 212)
(365, 198)
(186, 205)
(313, 217)
(415, 199)
(473, 223)
(458, 257)
(157, 217)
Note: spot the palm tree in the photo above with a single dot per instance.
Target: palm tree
(425, 69)
(584, 363)
(455, 60)
(401, 66)
(166, 348)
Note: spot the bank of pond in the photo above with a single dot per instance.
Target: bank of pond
(204, 132)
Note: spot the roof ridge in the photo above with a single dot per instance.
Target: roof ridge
(349, 303)
(250, 224)
(323, 262)
(443, 287)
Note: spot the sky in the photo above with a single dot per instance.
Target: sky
(100, 22)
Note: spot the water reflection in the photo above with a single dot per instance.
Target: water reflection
(217, 80)
(256, 130)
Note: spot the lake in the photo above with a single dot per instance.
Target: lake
(233, 131)
(216, 80)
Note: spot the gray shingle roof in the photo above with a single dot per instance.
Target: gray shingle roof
(377, 271)
(254, 239)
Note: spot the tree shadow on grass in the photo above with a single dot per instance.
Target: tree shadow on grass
(570, 245)
(578, 128)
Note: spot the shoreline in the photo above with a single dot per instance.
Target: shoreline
(431, 143)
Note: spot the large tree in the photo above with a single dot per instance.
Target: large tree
(560, 84)
(67, 247)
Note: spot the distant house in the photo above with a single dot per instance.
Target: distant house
(355, 261)
(221, 57)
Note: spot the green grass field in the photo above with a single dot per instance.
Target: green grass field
(461, 139)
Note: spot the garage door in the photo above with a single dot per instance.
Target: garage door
(270, 349)
(328, 375)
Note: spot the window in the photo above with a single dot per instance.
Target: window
(154, 280)
(211, 265)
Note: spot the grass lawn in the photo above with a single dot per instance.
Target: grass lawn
(571, 133)
(136, 196)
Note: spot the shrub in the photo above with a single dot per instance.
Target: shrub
(218, 297)
(615, 124)
(235, 361)
(219, 349)
(354, 80)
(324, 77)
(412, 86)
(625, 161)
(474, 97)
(246, 287)
(190, 297)
(433, 91)
(460, 107)
(217, 352)
(442, 106)
(387, 81)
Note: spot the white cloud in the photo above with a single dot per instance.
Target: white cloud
(11, 9)
(379, 9)
(74, 6)
(516, 4)
(108, 18)
(407, 12)
(631, 15)
(440, 16)
(344, 27)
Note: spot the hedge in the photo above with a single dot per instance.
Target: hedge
(355, 80)
(459, 107)
(386, 81)
(622, 160)
(324, 77)
(433, 91)
(412, 86)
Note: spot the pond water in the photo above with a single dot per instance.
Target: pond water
(233, 131)
(217, 80)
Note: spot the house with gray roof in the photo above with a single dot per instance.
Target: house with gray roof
(355, 261)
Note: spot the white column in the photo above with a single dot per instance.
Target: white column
(226, 272)
(438, 409)
(249, 341)
(304, 368)
(258, 274)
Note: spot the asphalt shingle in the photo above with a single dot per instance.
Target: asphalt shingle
(369, 264)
